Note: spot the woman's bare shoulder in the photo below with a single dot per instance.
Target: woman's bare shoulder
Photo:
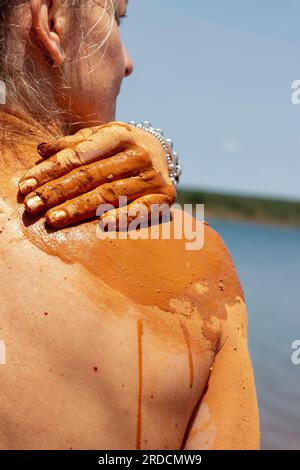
(152, 265)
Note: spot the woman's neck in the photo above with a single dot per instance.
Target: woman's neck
(14, 118)
(20, 134)
(19, 128)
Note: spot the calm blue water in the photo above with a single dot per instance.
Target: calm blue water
(268, 262)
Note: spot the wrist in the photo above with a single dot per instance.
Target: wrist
(171, 155)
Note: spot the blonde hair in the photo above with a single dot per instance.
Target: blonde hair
(17, 69)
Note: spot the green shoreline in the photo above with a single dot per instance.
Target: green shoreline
(246, 208)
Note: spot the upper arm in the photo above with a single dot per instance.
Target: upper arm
(227, 415)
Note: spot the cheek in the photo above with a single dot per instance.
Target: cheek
(105, 63)
(104, 43)
(114, 55)
(95, 77)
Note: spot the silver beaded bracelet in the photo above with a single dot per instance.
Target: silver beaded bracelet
(167, 144)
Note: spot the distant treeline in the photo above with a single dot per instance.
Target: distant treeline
(243, 207)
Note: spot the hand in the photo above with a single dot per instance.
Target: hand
(95, 166)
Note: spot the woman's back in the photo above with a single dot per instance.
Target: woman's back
(109, 343)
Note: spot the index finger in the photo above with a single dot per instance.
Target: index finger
(106, 142)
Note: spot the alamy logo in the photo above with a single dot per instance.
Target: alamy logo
(295, 358)
(2, 353)
(296, 92)
(187, 222)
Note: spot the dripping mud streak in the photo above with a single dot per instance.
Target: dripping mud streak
(140, 385)
(190, 356)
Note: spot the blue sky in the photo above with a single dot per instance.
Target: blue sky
(216, 76)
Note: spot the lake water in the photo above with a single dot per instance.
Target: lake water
(268, 263)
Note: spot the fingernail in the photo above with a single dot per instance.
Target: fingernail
(34, 204)
(57, 216)
(28, 185)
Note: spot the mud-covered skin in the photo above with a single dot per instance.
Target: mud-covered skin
(110, 344)
(96, 166)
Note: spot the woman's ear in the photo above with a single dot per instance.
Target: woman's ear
(48, 23)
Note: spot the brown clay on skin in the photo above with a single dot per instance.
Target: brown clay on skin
(134, 270)
(165, 272)
(235, 387)
(119, 124)
(190, 355)
(146, 182)
(138, 269)
(140, 385)
(88, 177)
